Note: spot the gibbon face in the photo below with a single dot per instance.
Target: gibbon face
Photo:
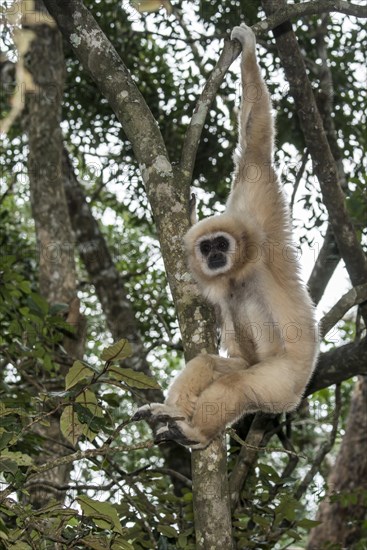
(219, 245)
(216, 251)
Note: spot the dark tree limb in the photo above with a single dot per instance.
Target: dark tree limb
(325, 265)
(281, 14)
(353, 297)
(339, 364)
(298, 179)
(290, 466)
(247, 456)
(329, 256)
(325, 98)
(103, 274)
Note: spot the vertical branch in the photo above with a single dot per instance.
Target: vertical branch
(247, 457)
(213, 525)
(324, 448)
(57, 279)
(325, 265)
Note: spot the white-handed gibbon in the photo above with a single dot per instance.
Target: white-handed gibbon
(244, 263)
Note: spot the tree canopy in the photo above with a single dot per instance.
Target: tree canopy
(115, 113)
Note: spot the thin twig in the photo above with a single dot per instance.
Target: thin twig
(89, 453)
(172, 473)
(353, 297)
(289, 468)
(324, 448)
(237, 438)
(257, 438)
(230, 51)
(299, 177)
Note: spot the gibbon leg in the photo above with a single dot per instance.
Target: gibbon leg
(183, 394)
(198, 374)
(268, 386)
(184, 391)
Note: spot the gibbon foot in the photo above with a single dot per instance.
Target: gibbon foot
(172, 432)
(158, 411)
(175, 428)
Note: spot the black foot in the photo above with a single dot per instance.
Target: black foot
(172, 432)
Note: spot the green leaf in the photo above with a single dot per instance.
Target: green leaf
(8, 466)
(20, 459)
(5, 437)
(89, 400)
(38, 303)
(91, 415)
(146, 5)
(133, 378)
(58, 308)
(70, 426)
(10, 461)
(19, 545)
(100, 512)
(294, 535)
(118, 351)
(25, 287)
(269, 472)
(308, 523)
(261, 520)
(286, 509)
(4, 411)
(120, 544)
(167, 531)
(79, 371)
(182, 541)
(96, 542)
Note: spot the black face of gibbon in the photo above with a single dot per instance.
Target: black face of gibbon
(215, 251)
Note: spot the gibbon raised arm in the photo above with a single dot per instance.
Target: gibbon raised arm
(245, 264)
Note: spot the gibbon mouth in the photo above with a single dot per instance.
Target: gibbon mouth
(216, 261)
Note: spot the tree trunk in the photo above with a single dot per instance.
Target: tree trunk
(118, 309)
(342, 519)
(213, 525)
(57, 277)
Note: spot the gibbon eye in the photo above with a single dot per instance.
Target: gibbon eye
(221, 243)
(205, 247)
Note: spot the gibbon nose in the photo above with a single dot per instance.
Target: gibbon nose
(217, 260)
